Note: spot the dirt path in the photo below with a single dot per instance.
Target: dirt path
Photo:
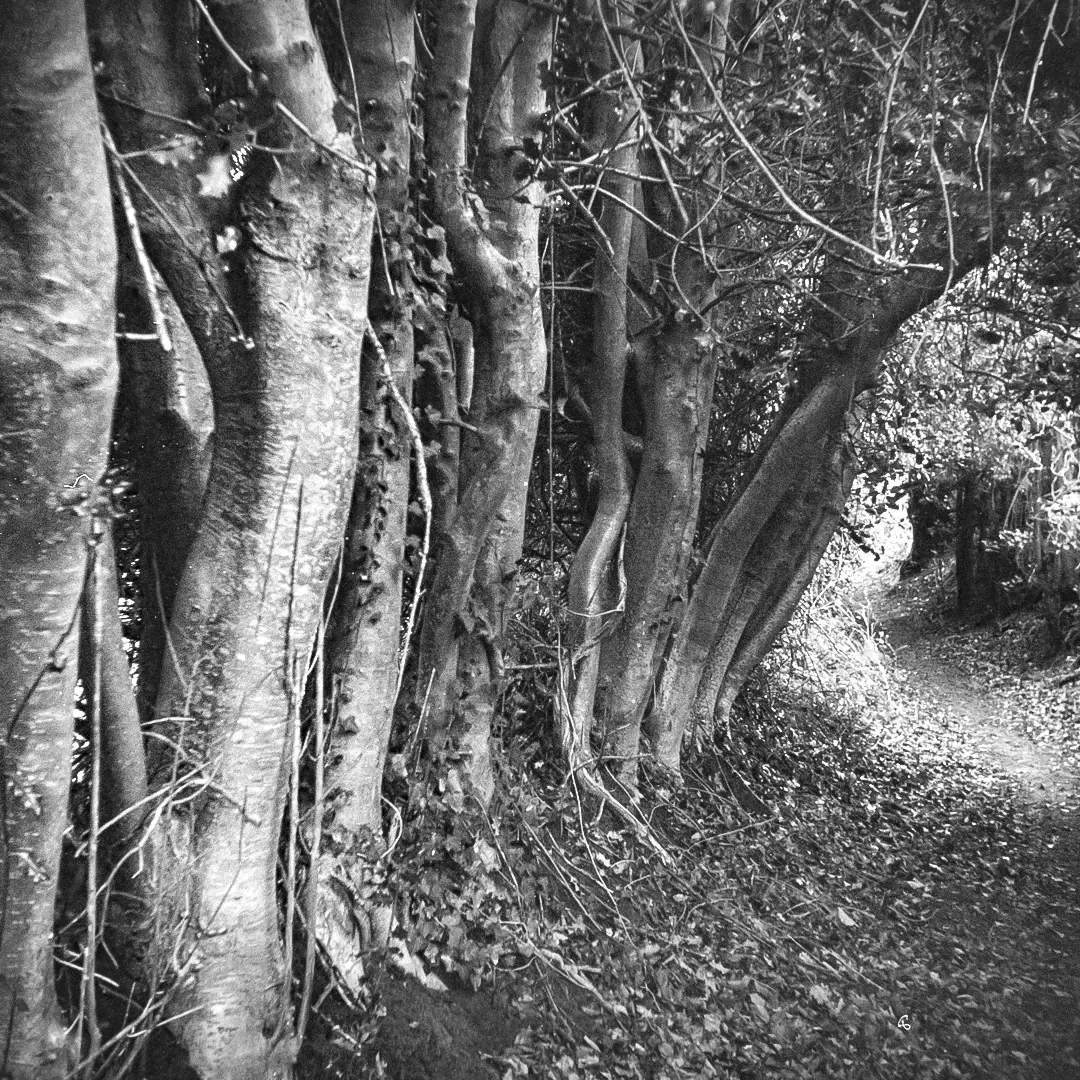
(984, 726)
(986, 722)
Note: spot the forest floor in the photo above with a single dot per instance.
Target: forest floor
(876, 877)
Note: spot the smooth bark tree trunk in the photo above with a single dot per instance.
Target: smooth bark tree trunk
(169, 396)
(497, 268)
(657, 552)
(772, 615)
(251, 596)
(592, 594)
(364, 644)
(106, 679)
(732, 544)
(281, 336)
(854, 318)
(153, 100)
(677, 370)
(770, 564)
(58, 377)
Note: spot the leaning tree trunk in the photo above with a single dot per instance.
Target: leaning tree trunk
(168, 394)
(152, 99)
(857, 316)
(779, 602)
(57, 385)
(281, 337)
(497, 268)
(363, 645)
(716, 590)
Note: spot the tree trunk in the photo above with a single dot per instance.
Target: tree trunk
(614, 135)
(849, 326)
(970, 595)
(285, 385)
(677, 369)
(777, 607)
(57, 385)
(169, 395)
(768, 571)
(820, 414)
(363, 646)
(103, 664)
(751, 579)
(657, 552)
(497, 271)
(152, 97)
(930, 525)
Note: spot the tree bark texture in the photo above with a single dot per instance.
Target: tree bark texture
(855, 316)
(716, 590)
(153, 100)
(58, 378)
(169, 395)
(771, 564)
(103, 664)
(497, 267)
(364, 643)
(773, 574)
(778, 604)
(677, 370)
(591, 595)
(283, 364)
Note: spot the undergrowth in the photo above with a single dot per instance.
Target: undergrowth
(850, 892)
(897, 913)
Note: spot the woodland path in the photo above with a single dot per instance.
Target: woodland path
(988, 723)
(961, 688)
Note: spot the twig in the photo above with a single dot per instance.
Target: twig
(199, 767)
(161, 328)
(279, 107)
(763, 167)
(296, 693)
(311, 898)
(87, 991)
(425, 497)
(590, 217)
(661, 159)
(1038, 61)
(215, 288)
(582, 773)
(571, 973)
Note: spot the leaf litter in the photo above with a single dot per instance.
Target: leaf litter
(906, 909)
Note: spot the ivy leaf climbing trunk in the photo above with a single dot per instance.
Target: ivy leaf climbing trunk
(364, 644)
(498, 50)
